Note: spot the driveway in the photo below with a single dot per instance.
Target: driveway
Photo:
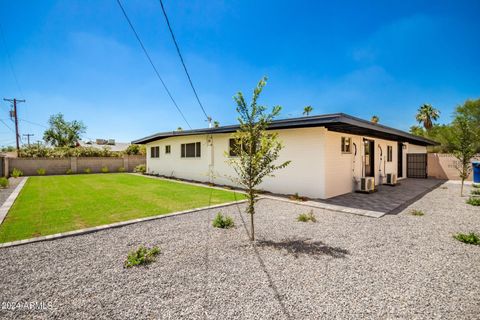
(388, 199)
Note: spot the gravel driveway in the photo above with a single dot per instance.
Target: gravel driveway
(343, 266)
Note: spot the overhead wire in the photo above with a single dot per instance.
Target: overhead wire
(2, 34)
(152, 64)
(209, 119)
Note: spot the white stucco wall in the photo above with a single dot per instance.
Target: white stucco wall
(303, 147)
(318, 167)
(344, 169)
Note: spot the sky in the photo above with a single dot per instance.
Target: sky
(364, 58)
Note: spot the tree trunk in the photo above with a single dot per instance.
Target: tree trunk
(461, 188)
(251, 211)
(252, 227)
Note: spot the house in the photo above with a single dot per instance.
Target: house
(329, 154)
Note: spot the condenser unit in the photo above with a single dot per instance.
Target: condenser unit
(391, 179)
(367, 184)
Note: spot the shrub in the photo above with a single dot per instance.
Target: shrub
(223, 222)
(3, 182)
(305, 217)
(475, 192)
(416, 212)
(470, 238)
(296, 197)
(41, 171)
(121, 169)
(141, 256)
(474, 201)
(104, 169)
(69, 171)
(87, 170)
(476, 185)
(17, 173)
(140, 168)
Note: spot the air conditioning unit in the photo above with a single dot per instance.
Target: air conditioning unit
(391, 179)
(367, 184)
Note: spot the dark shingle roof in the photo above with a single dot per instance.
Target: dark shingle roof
(338, 122)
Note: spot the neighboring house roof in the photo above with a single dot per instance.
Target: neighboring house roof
(118, 146)
(338, 122)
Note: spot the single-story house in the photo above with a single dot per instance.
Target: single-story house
(330, 154)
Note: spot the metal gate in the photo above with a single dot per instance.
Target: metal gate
(417, 165)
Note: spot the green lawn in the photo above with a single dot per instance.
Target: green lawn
(53, 204)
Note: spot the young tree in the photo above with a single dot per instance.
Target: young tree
(471, 110)
(464, 140)
(307, 110)
(426, 114)
(62, 133)
(256, 150)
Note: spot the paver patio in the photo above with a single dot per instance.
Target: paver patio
(387, 199)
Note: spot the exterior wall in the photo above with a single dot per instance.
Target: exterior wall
(53, 166)
(344, 170)
(304, 147)
(443, 166)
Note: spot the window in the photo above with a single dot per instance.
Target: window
(154, 152)
(191, 150)
(389, 153)
(346, 145)
(168, 149)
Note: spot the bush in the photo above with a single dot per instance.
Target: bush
(223, 222)
(474, 201)
(140, 168)
(135, 149)
(470, 238)
(104, 169)
(296, 197)
(17, 173)
(3, 182)
(121, 169)
(69, 171)
(41, 171)
(305, 217)
(417, 213)
(475, 192)
(476, 185)
(87, 170)
(141, 256)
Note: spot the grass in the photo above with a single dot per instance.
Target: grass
(305, 217)
(474, 201)
(223, 222)
(470, 238)
(53, 204)
(141, 256)
(418, 213)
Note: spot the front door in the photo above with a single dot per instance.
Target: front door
(400, 160)
(369, 158)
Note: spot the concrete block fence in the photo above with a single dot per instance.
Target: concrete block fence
(443, 166)
(54, 166)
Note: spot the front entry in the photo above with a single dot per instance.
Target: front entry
(400, 160)
(369, 158)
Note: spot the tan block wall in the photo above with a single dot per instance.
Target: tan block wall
(29, 166)
(53, 166)
(443, 166)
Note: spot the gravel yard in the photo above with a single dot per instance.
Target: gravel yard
(342, 266)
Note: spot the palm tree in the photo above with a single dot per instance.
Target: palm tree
(216, 124)
(425, 114)
(307, 110)
(375, 119)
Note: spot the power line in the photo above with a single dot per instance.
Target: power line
(151, 63)
(34, 123)
(209, 119)
(10, 60)
(6, 125)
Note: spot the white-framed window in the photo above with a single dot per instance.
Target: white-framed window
(154, 152)
(191, 150)
(346, 145)
(168, 149)
(389, 153)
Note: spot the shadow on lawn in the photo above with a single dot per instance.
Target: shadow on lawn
(303, 246)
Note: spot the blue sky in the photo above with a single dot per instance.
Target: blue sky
(363, 58)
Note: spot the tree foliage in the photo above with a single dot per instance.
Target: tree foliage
(426, 114)
(256, 148)
(307, 110)
(62, 133)
(135, 149)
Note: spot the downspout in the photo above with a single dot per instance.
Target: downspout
(380, 164)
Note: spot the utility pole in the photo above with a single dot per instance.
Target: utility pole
(15, 114)
(28, 135)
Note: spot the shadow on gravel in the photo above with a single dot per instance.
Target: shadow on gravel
(298, 247)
